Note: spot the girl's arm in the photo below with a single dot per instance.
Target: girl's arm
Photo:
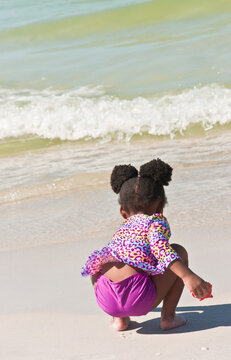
(193, 282)
(169, 258)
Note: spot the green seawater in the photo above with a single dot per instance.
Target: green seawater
(89, 84)
(130, 47)
(110, 70)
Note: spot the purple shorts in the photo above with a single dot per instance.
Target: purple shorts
(133, 296)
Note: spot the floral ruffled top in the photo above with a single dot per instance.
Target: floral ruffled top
(141, 241)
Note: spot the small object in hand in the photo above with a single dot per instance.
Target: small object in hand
(209, 295)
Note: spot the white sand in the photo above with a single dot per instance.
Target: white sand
(49, 312)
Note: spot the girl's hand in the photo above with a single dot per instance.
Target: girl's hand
(197, 286)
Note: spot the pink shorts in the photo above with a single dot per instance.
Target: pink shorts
(133, 296)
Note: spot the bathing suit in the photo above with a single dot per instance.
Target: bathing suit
(141, 241)
(133, 296)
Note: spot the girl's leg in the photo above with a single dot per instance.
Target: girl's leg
(116, 272)
(169, 288)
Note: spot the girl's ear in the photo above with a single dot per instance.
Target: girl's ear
(123, 212)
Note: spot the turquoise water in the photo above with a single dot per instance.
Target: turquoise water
(86, 85)
(131, 48)
(71, 70)
(86, 77)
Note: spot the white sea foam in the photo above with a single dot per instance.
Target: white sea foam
(87, 113)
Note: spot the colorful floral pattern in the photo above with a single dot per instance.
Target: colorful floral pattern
(141, 241)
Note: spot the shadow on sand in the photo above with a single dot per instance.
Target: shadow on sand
(198, 318)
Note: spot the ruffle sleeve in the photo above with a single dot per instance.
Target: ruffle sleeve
(159, 234)
(96, 260)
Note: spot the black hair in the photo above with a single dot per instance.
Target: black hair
(138, 191)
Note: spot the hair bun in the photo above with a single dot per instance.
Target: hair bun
(158, 170)
(120, 174)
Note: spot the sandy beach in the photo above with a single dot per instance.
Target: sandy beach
(49, 312)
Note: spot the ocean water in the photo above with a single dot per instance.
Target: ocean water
(86, 85)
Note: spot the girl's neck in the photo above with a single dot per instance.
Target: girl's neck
(155, 208)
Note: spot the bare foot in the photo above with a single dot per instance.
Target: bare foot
(175, 322)
(120, 324)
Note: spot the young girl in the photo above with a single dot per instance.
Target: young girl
(139, 268)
